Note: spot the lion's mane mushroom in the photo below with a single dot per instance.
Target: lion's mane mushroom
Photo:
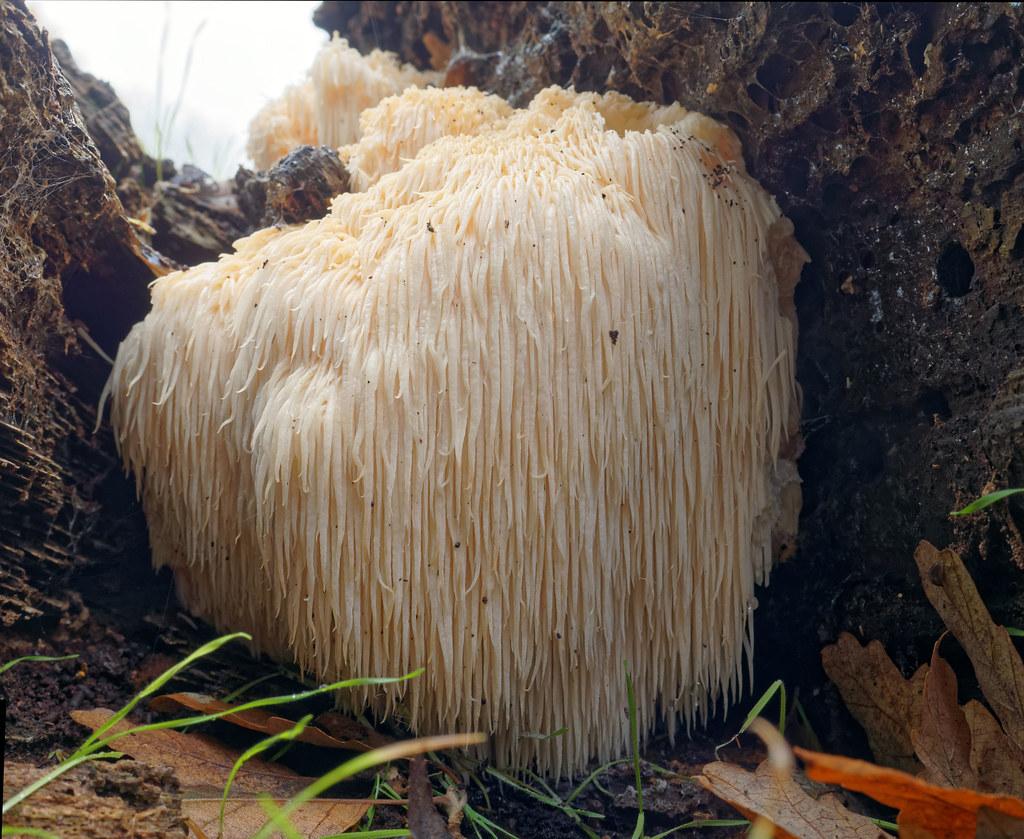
(521, 410)
(324, 109)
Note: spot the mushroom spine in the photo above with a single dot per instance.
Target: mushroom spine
(521, 409)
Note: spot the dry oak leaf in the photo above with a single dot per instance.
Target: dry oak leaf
(944, 739)
(925, 810)
(997, 664)
(202, 765)
(243, 817)
(256, 719)
(779, 798)
(886, 705)
(995, 761)
(963, 746)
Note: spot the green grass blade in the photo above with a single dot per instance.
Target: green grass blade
(278, 818)
(95, 740)
(775, 687)
(5, 667)
(592, 778)
(476, 818)
(532, 736)
(99, 740)
(549, 799)
(703, 823)
(634, 738)
(985, 500)
(808, 729)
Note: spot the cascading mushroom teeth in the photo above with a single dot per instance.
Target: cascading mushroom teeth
(324, 109)
(522, 409)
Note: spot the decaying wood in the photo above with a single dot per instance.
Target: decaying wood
(890, 135)
(124, 800)
(67, 253)
(194, 219)
(297, 188)
(110, 126)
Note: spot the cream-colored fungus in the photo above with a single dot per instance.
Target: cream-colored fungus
(522, 409)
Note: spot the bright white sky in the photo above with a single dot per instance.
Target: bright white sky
(243, 55)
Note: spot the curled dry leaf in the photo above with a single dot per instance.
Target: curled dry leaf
(780, 798)
(920, 719)
(943, 740)
(882, 701)
(257, 719)
(963, 746)
(924, 809)
(997, 664)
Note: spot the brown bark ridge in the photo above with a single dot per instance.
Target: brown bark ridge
(110, 127)
(123, 800)
(297, 188)
(68, 259)
(891, 136)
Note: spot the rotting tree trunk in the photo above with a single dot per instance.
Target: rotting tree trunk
(66, 253)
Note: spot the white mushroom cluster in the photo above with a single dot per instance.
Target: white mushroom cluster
(519, 411)
(324, 109)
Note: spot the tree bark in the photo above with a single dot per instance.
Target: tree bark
(69, 260)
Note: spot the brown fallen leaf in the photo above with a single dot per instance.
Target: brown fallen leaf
(243, 817)
(996, 762)
(924, 809)
(994, 825)
(201, 762)
(943, 741)
(780, 799)
(950, 745)
(997, 664)
(255, 719)
(882, 701)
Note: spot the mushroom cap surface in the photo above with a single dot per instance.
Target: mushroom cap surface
(521, 410)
